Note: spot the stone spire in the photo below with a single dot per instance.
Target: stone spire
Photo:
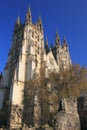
(46, 45)
(65, 45)
(57, 40)
(18, 22)
(28, 16)
(39, 24)
(65, 42)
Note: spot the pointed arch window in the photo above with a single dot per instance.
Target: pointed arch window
(33, 34)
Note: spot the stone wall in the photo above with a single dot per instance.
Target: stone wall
(16, 117)
(72, 115)
(67, 117)
(82, 110)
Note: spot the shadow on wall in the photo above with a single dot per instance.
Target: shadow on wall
(3, 119)
(28, 109)
(82, 111)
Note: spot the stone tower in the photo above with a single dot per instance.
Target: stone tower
(61, 53)
(25, 59)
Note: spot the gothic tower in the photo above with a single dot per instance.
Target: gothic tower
(61, 53)
(25, 60)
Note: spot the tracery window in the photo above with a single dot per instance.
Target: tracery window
(33, 34)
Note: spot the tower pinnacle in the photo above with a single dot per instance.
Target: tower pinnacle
(18, 22)
(28, 16)
(57, 40)
(39, 23)
(46, 45)
(46, 42)
(65, 42)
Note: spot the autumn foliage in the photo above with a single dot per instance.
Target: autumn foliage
(70, 82)
(66, 83)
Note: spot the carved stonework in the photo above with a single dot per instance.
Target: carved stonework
(16, 116)
(37, 112)
(26, 58)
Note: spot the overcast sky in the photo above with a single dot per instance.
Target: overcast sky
(68, 17)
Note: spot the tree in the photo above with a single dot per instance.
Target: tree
(66, 83)
(36, 87)
(70, 82)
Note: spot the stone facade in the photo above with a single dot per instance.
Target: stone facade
(25, 59)
(82, 110)
(16, 116)
(68, 118)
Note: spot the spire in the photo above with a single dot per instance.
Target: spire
(46, 45)
(18, 22)
(39, 23)
(28, 16)
(57, 40)
(65, 42)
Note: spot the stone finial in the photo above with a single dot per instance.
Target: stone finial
(39, 23)
(28, 16)
(65, 42)
(18, 22)
(46, 45)
(57, 40)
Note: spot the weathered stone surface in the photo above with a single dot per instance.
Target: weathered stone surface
(72, 115)
(82, 110)
(25, 60)
(47, 127)
(16, 117)
(68, 118)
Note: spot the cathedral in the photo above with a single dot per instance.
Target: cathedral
(28, 53)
